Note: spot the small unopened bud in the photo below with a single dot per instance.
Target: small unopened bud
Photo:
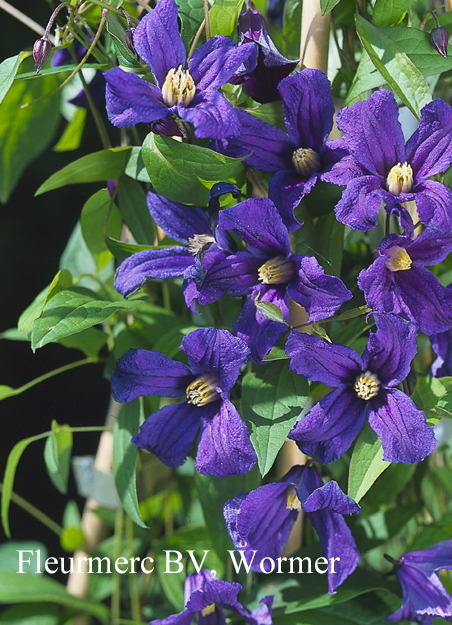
(41, 52)
(128, 38)
(440, 38)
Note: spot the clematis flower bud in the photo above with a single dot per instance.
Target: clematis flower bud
(440, 38)
(41, 52)
(128, 38)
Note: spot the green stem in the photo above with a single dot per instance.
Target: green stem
(91, 428)
(145, 6)
(97, 118)
(166, 296)
(133, 584)
(116, 591)
(205, 4)
(112, 9)
(33, 511)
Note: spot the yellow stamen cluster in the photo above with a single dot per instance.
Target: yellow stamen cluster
(277, 270)
(178, 88)
(197, 241)
(367, 385)
(397, 259)
(400, 179)
(292, 501)
(208, 610)
(202, 390)
(305, 161)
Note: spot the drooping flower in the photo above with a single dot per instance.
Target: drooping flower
(397, 281)
(206, 597)
(187, 224)
(268, 270)
(260, 75)
(191, 93)
(215, 358)
(260, 521)
(299, 157)
(364, 388)
(423, 594)
(382, 168)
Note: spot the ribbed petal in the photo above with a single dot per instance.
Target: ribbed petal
(433, 203)
(215, 351)
(430, 247)
(259, 224)
(170, 432)
(361, 203)
(258, 332)
(442, 346)
(267, 147)
(329, 496)
(216, 591)
(131, 100)
(404, 433)
(215, 62)
(224, 444)
(320, 361)
(308, 108)
(391, 349)
(320, 294)
(135, 271)
(438, 557)
(426, 595)
(345, 170)
(179, 221)
(158, 42)
(211, 114)
(183, 618)
(287, 189)
(329, 429)
(407, 613)
(373, 133)
(140, 372)
(234, 275)
(429, 150)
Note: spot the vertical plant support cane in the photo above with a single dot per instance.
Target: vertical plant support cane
(314, 55)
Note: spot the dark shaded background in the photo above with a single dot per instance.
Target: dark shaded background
(33, 234)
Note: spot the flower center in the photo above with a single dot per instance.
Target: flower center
(292, 501)
(197, 241)
(305, 161)
(178, 88)
(367, 385)
(398, 259)
(278, 270)
(202, 390)
(400, 179)
(208, 610)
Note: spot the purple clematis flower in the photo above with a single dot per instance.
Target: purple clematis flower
(206, 597)
(259, 522)
(397, 281)
(442, 346)
(382, 168)
(215, 358)
(270, 271)
(187, 224)
(363, 389)
(262, 74)
(424, 595)
(299, 157)
(191, 93)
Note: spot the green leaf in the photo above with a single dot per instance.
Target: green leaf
(60, 69)
(328, 5)
(428, 393)
(32, 614)
(72, 136)
(135, 166)
(321, 332)
(94, 167)
(9, 556)
(121, 250)
(269, 310)
(116, 29)
(223, 16)
(191, 14)
(28, 588)
(72, 311)
(276, 354)
(174, 169)
(366, 463)
(25, 133)
(389, 12)
(292, 29)
(134, 210)
(8, 70)
(89, 341)
(271, 113)
(272, 399)
(125, 456)
(395, 66)
(93, 222)
(57, 455)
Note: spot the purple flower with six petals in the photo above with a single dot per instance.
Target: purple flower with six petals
(363, 388)
(424, 595)
(191, 93)
(215, 358)
(259, 522)
(382, 168)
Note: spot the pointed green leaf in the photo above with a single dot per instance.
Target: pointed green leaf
(8, 70)
(389, 12)
(328, 5)
(93, 222)
(72, 136)
(366, 463)
(223, 16)
(134, 210)
(57, 455)
(269, 310)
